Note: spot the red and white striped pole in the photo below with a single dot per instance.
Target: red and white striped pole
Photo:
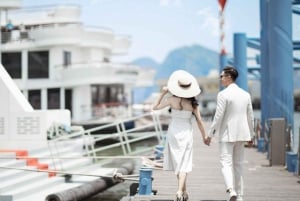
(223, 60)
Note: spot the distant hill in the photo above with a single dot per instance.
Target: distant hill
(146, 62)
(195, 59)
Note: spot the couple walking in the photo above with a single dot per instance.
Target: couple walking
(233, 123)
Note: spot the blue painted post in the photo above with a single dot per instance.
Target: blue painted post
(240, 59)
(261, 144)
(291, 161)
(280, 48)
(145, 181)
(264, 67)
(158, 151)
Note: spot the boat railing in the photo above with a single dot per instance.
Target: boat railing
(19, 35)
(145, 126)
(97, 64)
(55, 25)
(14, 36)
(126, 134)
(62, 133)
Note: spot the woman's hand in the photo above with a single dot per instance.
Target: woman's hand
(165, 89)
(207, 140)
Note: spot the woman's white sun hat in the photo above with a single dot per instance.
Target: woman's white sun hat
(183, 84)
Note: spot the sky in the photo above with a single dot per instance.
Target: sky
(158, 26)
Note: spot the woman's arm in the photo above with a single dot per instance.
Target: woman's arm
(160, 103)
(200, 125)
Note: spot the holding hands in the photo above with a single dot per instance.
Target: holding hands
(207, 140)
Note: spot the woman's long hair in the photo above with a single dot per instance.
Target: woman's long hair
(194, 102)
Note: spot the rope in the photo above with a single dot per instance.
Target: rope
(77, 157)
(117, 176)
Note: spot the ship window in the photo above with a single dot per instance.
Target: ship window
(38, 64)
(34, 98)
(107, 94)
(53, 98)
(12, 63)
(67, 58)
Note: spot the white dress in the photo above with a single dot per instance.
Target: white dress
(178, 152)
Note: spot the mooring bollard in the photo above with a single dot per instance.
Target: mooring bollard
(145, 181)
(261, 144)
(158, 151)
(291, 161)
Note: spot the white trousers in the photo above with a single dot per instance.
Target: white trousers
(232, 159)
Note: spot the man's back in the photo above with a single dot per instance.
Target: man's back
(237, 118)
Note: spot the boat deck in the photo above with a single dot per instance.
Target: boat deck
(205, 183)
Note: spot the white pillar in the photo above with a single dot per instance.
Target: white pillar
(62, 98)
(44, 99)
(25, 93)
(24, 64)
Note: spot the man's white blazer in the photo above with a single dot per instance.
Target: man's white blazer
(233, 120)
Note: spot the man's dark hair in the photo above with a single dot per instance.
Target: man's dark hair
(231, 71)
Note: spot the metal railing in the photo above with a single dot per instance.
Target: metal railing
(13, 36)
(145, 126)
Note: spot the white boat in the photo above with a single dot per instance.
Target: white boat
(59, 63)
(56, 71)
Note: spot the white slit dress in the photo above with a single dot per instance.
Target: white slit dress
(178, 151)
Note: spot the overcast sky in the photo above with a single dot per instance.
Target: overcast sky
(158, 26)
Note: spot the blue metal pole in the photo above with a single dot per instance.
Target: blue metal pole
(264, 60)
(240, 59)
(281, 60)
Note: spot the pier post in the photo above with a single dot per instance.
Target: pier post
(265, 67)
(240, 59)
(280, 57)
(158, 151)
(145, 181)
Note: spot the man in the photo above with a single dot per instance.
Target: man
(233, 122)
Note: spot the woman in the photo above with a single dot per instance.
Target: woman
(178, 150)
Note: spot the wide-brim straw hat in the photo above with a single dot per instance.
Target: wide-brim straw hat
(183, 84)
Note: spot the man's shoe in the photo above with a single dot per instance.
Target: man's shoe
(232, 195)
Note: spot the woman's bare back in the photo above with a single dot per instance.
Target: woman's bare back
(180, 103)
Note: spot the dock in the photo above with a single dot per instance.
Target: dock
(262, 182)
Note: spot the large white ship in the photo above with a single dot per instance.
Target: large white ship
(55, 71)
(59, 63)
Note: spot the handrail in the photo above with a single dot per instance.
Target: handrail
(124, 136)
